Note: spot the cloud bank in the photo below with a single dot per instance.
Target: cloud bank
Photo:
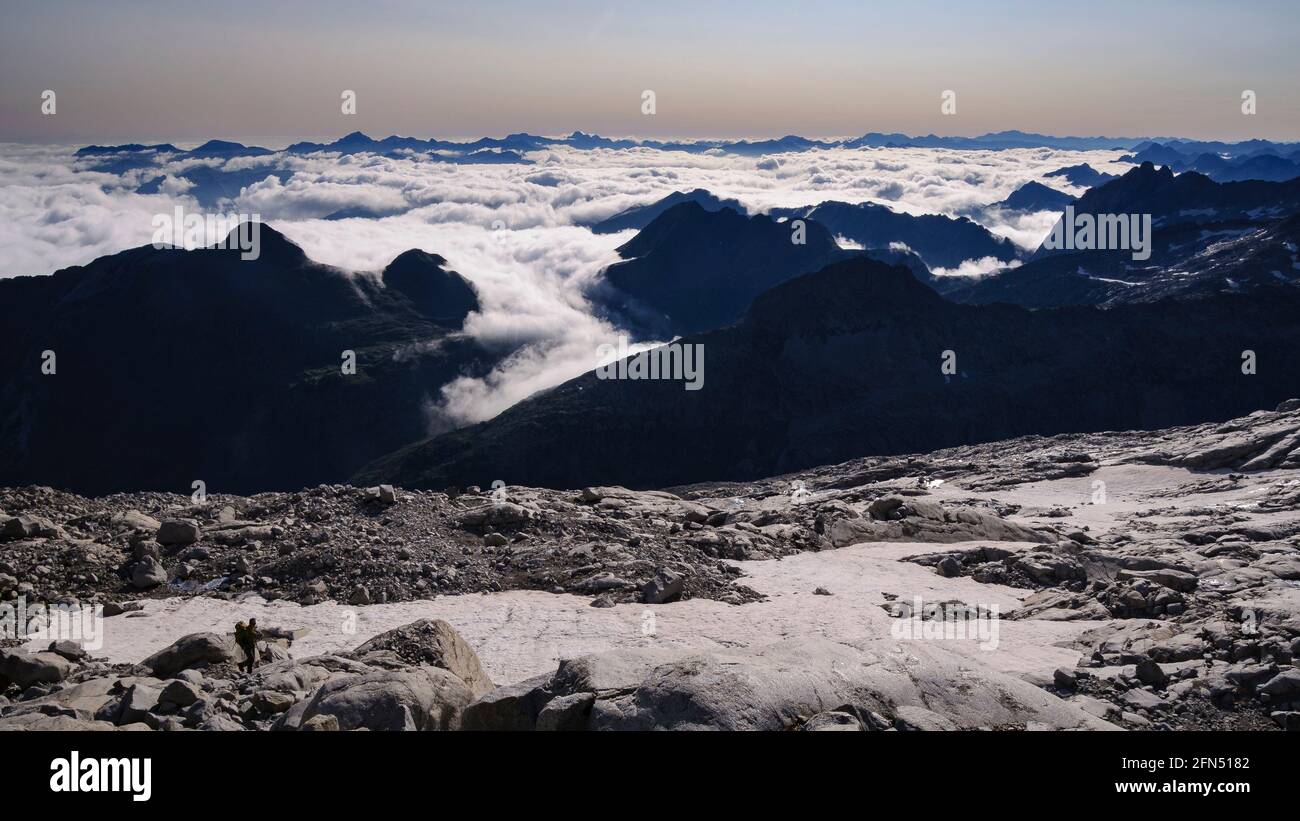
(515, 230)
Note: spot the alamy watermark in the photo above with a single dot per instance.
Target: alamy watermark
(53, 622)
(683, 362)
(1101, 232)
(72, 773)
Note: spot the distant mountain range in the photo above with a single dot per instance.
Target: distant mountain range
(1252, 160)
(513, 145)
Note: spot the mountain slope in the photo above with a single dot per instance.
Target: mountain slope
(640, 216)
(176, 366)
(1082, 174)
(941, 241)
(1034, 196)
(846, 362)
(692, 269)
(1206, 237)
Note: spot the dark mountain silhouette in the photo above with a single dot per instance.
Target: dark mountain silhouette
(1207, 237)
(1166, 149)
(1190, 197)
(176, 366)
(1034, 196)
(998, 141)
(358, 212)
(639, 216)
(226, 150)
(129, 148)
(846, 362)
(1158, 154)
(941, 241)
(1082, 174)
(1229, 257)
(788, 143)
(212, 184)
(442, 296)
(1253, 160)
(692, 269)
(1258, 167)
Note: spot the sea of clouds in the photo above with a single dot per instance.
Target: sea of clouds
(515, 230)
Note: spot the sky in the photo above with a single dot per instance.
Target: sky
(183, 70)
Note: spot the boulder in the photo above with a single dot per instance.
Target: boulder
(1173, 579)
(1150, 673)
(566, 712)
(512, 707)
(899, 519)
(423, 698)
(271, 702)
(28, 527)
(137, 521)
(666, 586)
(221, 722)
(39, 722)
(180, 693)
(1142, 699)
(496, 516)
(1285, 686)
(772, 687)
(26, 669)
(436, 643)
(139, 703)
(1248, 676)
(148, 573)
(70, 650)
(1182, 647)
(174, 532)
(321, 724)
(84, 699)
(194, 649)
(949, 567)
(833, 721)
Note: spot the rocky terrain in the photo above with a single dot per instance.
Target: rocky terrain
(1143, 580)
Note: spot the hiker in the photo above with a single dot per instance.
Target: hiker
(246, 637)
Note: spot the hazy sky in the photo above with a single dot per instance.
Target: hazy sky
(192, 70)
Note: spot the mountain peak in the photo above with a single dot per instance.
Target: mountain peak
(844, 296)
(355, 138)
(270, 243)
(439, 294)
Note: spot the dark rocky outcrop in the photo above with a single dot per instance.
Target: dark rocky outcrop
(175, 366)
(847, 362)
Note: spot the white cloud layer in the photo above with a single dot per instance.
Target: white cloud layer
(514, 230)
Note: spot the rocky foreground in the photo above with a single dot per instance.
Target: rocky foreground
(1162, 567)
